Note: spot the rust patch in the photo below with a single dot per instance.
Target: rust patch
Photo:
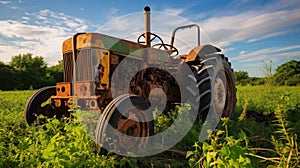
(201, 51)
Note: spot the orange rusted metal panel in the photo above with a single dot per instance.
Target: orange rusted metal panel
(67, 45)
(84, 89)
(63, 94)
(104, 57)
(201, 51)
(97, 40)
(63, 89)
(116, 45)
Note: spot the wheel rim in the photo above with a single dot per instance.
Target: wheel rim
(219, 95)
(130, 126)
(224, 93)
(36, 105)
(125, 131)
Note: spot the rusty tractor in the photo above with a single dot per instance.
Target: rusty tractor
(90, 62)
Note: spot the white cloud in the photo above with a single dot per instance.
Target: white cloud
(14, 7)
(289, 55)
(287, 48)
(44, 12)
(11, 29)
(199, 16)
(249, 26)
(41, 17)
(43, 39)
(259, 54)
(242, 52)
(174, 11)
(245, 26)
(226, 50)
(25, 18)
(266, 36)
(5, 2)
(47, 17)
(284, 4)
(256, 53)
(272, 53)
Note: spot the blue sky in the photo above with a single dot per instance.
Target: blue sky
(249, 32)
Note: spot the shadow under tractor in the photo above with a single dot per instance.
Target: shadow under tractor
(103, 72)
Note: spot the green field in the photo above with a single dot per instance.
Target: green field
(262, 133)
(266, 99)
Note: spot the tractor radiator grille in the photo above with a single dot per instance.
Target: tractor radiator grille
(68, 67)
(86, 66)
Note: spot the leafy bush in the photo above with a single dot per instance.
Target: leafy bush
(55, 144)
(245, 141)
(221, 150)
(288, 73)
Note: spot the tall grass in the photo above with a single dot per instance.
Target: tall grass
(244, 140)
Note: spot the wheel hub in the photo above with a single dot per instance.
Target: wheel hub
(219, 95)
(128, 126)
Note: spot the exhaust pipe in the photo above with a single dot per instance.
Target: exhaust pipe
(147, 26)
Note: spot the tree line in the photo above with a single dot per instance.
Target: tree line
(27, 72)
(287, 74)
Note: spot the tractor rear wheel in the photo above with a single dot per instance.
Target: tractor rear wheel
(216, 86)
(124, 125)
(38, 104)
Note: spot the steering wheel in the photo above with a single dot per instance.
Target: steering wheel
(172, 51)
(142, 36)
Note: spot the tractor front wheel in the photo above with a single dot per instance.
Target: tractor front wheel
(125, 125)
(38, 104)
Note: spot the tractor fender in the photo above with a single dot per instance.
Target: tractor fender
(201, 51)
